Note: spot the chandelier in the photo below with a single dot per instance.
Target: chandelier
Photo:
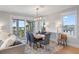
(37, 15)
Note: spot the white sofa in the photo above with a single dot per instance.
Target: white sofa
(17, 49)
(11, 46)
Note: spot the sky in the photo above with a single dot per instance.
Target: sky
(21, 24)
(69, 20)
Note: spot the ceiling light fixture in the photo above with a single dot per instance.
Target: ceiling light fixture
(37, 15)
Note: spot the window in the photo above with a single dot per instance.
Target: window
(19, 28)
(21, 23)
(14, 25)
(69, 23)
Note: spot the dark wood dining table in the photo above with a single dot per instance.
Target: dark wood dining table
(39, 38)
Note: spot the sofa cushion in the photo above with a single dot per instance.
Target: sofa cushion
(1, 42)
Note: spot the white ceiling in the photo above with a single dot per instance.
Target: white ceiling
(31, 9)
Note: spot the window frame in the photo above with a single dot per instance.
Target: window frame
(75, 27)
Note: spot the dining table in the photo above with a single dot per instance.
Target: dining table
(39, 38)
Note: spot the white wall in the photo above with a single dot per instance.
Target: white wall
(77, 27)
(53, 20)
(5, 21)
(57, 17)
(4, 25)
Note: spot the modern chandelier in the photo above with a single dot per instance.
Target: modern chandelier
(37, 15)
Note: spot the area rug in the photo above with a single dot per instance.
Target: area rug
(50, 49)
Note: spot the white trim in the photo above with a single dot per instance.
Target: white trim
(70, 13)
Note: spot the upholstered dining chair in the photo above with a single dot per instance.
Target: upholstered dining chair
(33, 40)
(62, 39)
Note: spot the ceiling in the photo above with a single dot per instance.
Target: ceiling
(31, 9)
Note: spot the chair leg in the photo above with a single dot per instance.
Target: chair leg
(35, 46)
(63, 43)
(58, 42)
(66, 42)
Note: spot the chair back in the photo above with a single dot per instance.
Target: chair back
(47, 38)
(62, 37)
(27, 35)
(31, 37)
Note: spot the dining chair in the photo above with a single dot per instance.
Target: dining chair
(62, 39)
(28, 38)
(33, 40)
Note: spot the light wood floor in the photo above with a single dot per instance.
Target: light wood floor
(52, 48)
(68, 50)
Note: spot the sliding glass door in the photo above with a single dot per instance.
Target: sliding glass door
(19, 28)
